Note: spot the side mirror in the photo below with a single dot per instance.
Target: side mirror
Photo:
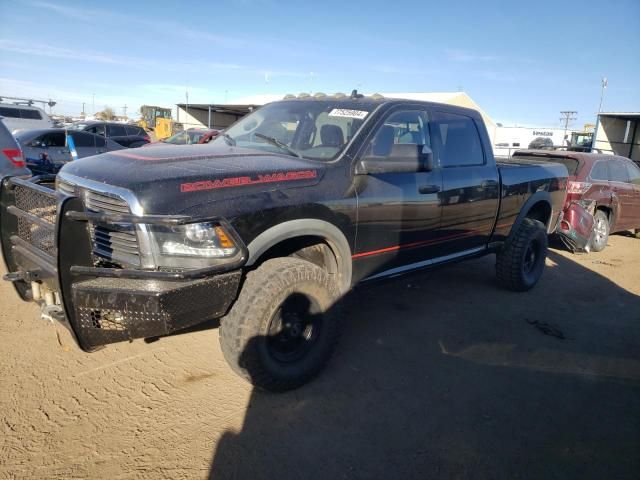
(403, 158)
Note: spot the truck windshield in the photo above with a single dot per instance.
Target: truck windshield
(313, 129)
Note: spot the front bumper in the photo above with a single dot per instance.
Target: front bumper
(47, 248)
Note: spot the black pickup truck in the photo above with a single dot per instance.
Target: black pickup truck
(271, 223)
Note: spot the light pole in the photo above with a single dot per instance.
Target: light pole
(604, 86)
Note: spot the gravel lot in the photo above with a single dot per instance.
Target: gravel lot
(439, 375)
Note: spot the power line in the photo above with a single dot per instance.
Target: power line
(568, 116)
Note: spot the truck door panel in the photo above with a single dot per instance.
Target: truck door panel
(398, 213)
(471, 186)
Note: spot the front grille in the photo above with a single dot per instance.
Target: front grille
(45, 208)
(112, 244)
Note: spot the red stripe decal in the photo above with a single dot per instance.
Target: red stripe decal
(455, 236)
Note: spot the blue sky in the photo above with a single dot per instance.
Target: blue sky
(523, 62)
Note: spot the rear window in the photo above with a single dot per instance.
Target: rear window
(30, 114)
(82, 139)
(20, 113)
(456, 139)
(9, 112)
(573, 165)
(116, 131)
(133, 131)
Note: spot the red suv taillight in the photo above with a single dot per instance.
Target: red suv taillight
(577, 188)
(15, 156)
(147, 138)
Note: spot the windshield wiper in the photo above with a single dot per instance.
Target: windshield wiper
(229, 139)
(278, 143)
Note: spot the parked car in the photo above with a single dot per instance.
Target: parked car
(271, 224)
(46, 151)
(19, 117)
(11, 158)
(130, 136)
(611, 182)
(541, 143)
(190, 136)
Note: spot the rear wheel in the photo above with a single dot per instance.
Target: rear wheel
(600, 231)
(283, 328)
(636, 233)
(519, 265)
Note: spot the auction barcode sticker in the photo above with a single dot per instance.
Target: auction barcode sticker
(343, 112)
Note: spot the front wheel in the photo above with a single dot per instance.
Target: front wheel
(283, 327)
(519, 265)
(600, 231)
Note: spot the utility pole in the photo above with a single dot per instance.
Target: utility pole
(93, 103)
(568, 116)
(125, 110)
(83, 114)
(604, 86)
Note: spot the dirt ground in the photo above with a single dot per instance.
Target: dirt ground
(438, 375)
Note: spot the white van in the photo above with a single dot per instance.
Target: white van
(24, 117)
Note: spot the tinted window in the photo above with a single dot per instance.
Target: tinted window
(9, 112)
(82, 139)
(116, 131)
(30, 114)
(456, 140)
(133, 131)
(633, 172)
(400, 128)
(49, 140)
(599, 171)
(97, 129)
(618, 171)
(100, 141)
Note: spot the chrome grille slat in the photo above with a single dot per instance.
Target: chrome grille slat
(115, 244)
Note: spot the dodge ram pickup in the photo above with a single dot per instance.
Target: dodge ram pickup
(270, 224)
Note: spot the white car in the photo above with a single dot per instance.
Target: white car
(24, 117)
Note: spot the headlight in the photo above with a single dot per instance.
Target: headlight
(193, 245)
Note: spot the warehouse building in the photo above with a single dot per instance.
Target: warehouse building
(618, 133)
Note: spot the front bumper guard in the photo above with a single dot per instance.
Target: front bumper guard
(46, 245)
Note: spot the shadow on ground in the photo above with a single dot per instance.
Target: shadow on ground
(444, 375)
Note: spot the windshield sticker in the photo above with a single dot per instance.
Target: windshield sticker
(345, 113)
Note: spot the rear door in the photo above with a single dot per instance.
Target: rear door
(471, 185)
(624, 192)
(85, 143)
(634, 180)
(118, 134)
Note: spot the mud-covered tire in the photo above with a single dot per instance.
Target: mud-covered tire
(601, 230)
(520, 263)
(254, 334)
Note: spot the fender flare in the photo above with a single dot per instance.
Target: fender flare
(542, 196)
(305, 227)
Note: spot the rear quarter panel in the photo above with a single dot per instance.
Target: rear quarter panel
(523, 183)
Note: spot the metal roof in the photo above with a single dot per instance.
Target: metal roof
(622, 115)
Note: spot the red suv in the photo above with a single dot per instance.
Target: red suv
(609, 182)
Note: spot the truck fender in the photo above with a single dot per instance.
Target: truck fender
(537, 197)
(307, 227)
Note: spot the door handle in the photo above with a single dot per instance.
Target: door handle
(425, 189)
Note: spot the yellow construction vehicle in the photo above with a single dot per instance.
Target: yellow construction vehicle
(156, 119)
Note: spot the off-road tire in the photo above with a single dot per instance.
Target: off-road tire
(599, 241)
(515, 268)
(244, 331)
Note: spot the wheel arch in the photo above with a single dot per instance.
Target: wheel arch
(305, 230)
(538, 207)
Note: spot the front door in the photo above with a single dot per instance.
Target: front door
(398, 213)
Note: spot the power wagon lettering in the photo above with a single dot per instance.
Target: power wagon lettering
(244, 181)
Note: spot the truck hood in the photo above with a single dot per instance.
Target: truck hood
(171, 179)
